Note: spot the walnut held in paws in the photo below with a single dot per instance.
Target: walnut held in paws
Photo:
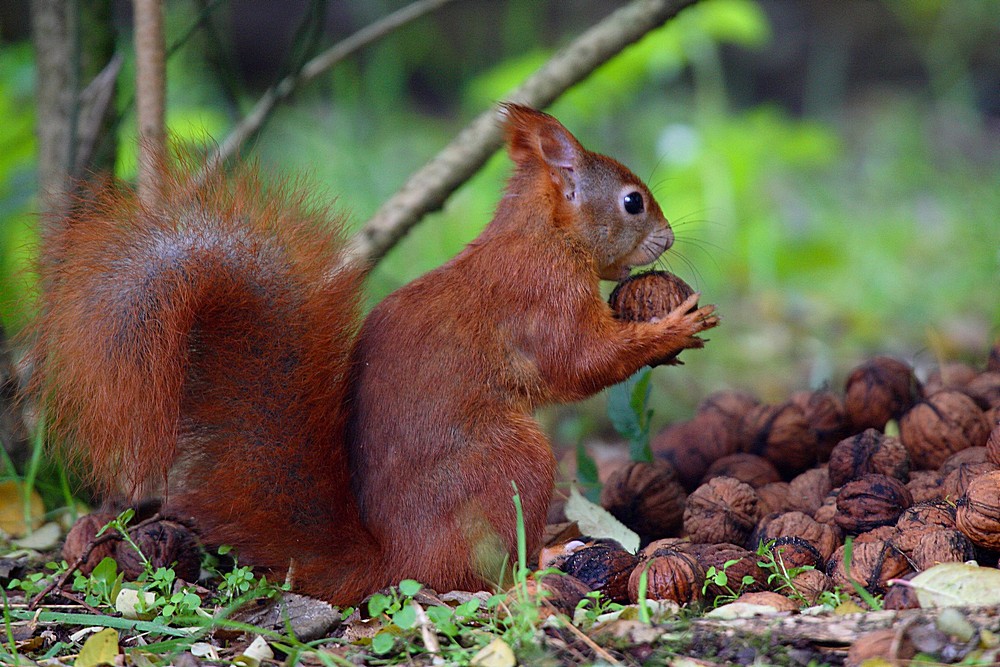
(648, 296)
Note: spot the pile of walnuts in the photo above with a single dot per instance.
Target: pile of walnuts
(803, 475)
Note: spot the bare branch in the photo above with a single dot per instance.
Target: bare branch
(310, 70)
(150, 88)
(429, 187)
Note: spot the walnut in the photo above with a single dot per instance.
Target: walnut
(824, 411)
(165, 543)
(792, 552)
(949, 375)
(646, 497)
(649, 296)
(969, 455)
(940, 425)
(658, 547)
(957, 481)
(562, 591)
(604, 566)
(867, 452)
(773, 497)
(900, 596)
(731, 405)
(993, 445)
(827, 512)
(810, 585)
(993, 416)
(692, 446)
(886, 646)
(729, 408)
(806, 492)
(879, 534)
(984, 389)
(781, 434)
(673, 575)
(754, 470)
(908, 540)
(823, 536)
(879, 390)
(80, 536)
(978, 511)
(934, 513)
(722, 509)
(871, 501)
(741, 563)
(942, 546)
(873, 564)
(926, 485)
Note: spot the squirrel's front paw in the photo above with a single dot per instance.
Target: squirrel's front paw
(687, 319)
(680, 329)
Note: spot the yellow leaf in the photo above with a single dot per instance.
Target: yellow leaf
(100, 649)
(848, 607)
(957, 585)
(12, 509)
(495, 654)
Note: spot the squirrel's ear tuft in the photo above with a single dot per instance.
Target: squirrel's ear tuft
(535, 136)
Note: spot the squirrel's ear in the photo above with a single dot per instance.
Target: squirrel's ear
(533, 136)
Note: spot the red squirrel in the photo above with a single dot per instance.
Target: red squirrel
(213, 337)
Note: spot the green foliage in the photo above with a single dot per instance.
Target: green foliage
(628, 410)
(874, 602)
(35, 582)
(17, 180)
(586, 474)
(101, 587)
(719, 577)
(594, 605)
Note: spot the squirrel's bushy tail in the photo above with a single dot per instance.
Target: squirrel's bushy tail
(211, 334)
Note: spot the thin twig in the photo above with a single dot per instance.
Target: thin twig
(429, 187)
(600, 652)
(255, 119)
(79, 601)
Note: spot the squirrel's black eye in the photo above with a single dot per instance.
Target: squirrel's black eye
(633, 203)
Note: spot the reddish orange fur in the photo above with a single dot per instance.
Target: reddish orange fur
(212, 336)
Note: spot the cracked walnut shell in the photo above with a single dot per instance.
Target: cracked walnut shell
(603, 566)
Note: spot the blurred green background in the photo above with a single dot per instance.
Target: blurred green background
(832, 169)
